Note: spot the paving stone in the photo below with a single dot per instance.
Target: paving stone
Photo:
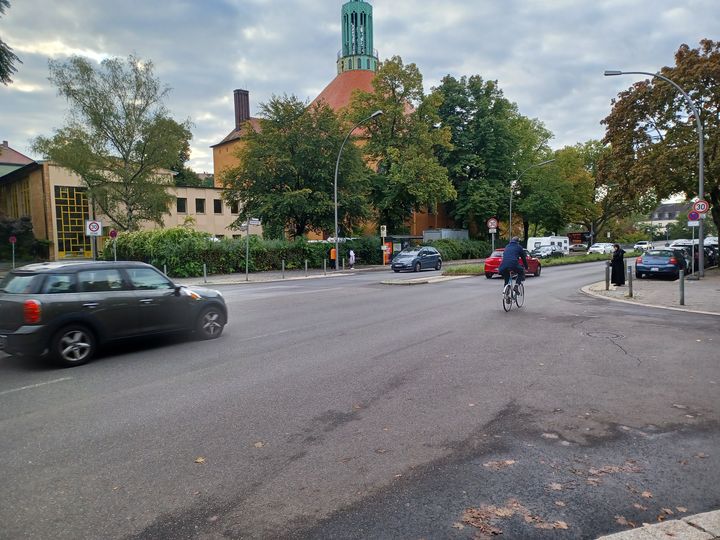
(709, 521)
(669, 530)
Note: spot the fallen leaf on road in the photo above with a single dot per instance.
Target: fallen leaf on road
(559, 503)
(561, 525)
(640, 506)
(701, 455)
(497, 465)
(259, 444)
(681, 509)
(459, 526)
(667, 511)
(550, 436)
(622, 520)
(678, 406)
(647, 494)
(200, 460)
(593, 481)
(555, 486)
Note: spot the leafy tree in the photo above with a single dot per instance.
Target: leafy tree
(402, 142)
(653, 134)
(7, 56)
(286, 171)
(480, 161)
(118, 138)
(185, 176)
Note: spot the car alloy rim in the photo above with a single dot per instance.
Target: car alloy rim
(75, 346)
(211, 323)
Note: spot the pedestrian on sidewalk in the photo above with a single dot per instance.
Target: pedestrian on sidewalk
(333, 258)
(617, 263)
(351, 259)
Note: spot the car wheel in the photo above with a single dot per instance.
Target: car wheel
(438, 266)
(539, 269)
(210, 323)
(417, 267)
(488, 275)
(73, 345)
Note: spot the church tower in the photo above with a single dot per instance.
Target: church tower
(357, 51)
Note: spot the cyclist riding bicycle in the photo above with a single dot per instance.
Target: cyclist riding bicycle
(513, 252)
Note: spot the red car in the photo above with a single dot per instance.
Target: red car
(492, 263)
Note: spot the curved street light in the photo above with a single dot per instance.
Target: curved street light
(701, 151)
(512, 188)
(337, 166)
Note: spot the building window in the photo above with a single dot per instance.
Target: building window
(181, 205)
(217, 206)
(199, 206)
(220, 236)
(234, 208)
(71, 210)
(237, 236)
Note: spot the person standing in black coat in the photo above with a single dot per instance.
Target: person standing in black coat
(617, 264)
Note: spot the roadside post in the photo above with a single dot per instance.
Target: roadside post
(113, 235)
(607, 276)
(630, 280)
(693, 222)
(306, 263)
(682, 287)
(283, 268)
(383, 234)
(492, 225)
(205, 272)
(324, 267)
(13, 240)
(93, 229)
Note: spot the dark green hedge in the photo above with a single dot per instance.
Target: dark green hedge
(183, 251)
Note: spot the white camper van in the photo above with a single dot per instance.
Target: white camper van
(563, 242)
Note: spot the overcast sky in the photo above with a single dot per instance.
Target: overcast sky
(547, 55)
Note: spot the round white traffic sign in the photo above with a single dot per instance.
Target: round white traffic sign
(701, 206)
(93, 228)
(492, 223)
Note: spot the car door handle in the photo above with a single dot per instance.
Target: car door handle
(146, 301)
(91, 305)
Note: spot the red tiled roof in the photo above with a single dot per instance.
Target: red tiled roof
(239, 133)
(337, 94)
(8, 156)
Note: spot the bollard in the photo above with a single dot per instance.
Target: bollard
(325, 267)
(607, 276)
(306, 274)
(630, 281)
(682, 287)
(283, 268)
(343, 266)
(205, 272)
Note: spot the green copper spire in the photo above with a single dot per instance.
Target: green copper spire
(357, 38)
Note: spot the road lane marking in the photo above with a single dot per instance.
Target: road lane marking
(34, 386)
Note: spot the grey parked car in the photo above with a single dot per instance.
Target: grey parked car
(417, 258)
(65, 310)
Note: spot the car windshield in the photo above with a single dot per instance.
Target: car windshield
(413, 252)
(496, 254)
(19, 283)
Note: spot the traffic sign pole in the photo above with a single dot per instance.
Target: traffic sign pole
(12, 240)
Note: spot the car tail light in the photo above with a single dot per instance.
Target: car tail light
(673, 260)
(32, 311)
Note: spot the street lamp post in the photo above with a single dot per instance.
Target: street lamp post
(337, 166)
(512, 188)
(701, 151)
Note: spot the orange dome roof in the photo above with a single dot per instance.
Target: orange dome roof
(337, 94)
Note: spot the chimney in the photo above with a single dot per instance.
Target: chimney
(242, 107)
(5, 144)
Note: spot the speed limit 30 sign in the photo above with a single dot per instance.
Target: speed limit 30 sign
(701, 206)
(93, 228)
(492, 223)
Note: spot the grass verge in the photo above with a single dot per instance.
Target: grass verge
(479, 269)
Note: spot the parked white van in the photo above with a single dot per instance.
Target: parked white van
(563, 242)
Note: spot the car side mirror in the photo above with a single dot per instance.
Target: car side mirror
(177, 290)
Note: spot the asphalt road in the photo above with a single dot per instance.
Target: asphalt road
(344, 408)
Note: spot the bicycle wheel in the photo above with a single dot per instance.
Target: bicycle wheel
(507, 297)
(520, 295)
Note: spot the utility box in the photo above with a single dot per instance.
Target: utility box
(445, 234)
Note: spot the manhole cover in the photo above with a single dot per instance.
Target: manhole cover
(605, 335)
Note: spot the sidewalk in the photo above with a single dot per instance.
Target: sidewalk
(698, 527)
(701, 296)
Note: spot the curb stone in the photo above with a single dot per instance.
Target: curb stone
(698, 527)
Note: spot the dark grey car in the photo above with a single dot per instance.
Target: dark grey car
(65, 310)
(416, 259)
